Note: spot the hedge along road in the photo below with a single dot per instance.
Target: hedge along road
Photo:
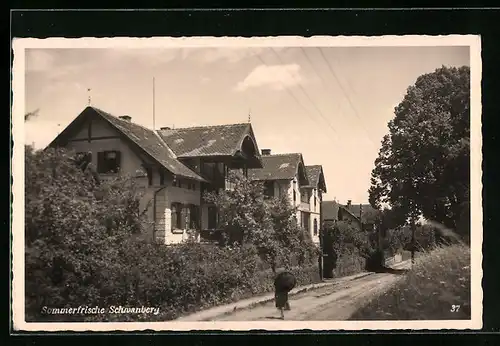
(331, 303)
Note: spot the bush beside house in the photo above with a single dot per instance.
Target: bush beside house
(84, 247)
(347, 249)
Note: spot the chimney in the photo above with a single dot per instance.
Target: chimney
(126, 118)
(349, 204)
(165, 128)
(266, 152)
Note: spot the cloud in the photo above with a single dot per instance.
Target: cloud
(277, 77)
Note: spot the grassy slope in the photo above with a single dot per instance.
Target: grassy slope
(439, 279)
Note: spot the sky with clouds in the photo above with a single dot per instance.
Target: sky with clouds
(332, 104)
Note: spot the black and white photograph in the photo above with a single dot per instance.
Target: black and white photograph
(280, 183)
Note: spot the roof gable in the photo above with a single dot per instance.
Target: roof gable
(145, 139)
(316, 177)
(280, 167)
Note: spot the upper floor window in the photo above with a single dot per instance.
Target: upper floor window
(304, 196)
(294, 196)
(314, 202)
(162, 176)
(315, 226)
(149, 173)
(108, 161)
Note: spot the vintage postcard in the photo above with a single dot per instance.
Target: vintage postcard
(284, 183)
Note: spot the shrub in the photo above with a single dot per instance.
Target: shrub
(347, 248)
(270, 225)
(83, 248)
(74, 229)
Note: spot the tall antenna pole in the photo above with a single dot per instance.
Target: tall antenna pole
(154, 127)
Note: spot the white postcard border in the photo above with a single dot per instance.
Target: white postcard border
(18, 110)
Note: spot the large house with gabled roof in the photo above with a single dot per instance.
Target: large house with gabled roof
(287, 175)
(175, 166)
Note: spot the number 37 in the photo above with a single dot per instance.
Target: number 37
(455, 308)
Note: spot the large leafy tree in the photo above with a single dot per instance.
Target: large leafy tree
(423, 164)
(247, 217)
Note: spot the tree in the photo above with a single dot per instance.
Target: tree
(423, 163)
(270, 225)
(75, 229)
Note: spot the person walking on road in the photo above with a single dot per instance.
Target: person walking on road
(283, 283)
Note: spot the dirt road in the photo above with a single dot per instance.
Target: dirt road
(335, 302)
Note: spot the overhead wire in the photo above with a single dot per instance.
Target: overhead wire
(346, 95)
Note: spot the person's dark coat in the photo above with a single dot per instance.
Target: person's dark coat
(283, 283)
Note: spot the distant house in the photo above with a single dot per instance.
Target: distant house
(359, 214)
(287, 175)
(175, 166)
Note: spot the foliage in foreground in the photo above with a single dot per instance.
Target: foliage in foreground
(84, 247)
(347, 249)
(437, 288)
(247, 217)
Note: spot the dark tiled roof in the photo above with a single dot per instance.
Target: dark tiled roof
(277, 167)
(330, 210)
(313, 173)
(355, 209)
(219, 140)
(150, 142)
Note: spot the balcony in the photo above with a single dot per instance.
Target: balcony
(304, 206)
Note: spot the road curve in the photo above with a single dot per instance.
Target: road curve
(331, 303)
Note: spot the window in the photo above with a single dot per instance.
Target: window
(176, 214)
(149, 173)
(212, 217)
(314, 202)
(294, 196)
(83, 159)
(304, 196)
(82, 154)
(269, 188)
(194, 217)
(177, 183)
(108, 161)
(315, 226)
(162, 176)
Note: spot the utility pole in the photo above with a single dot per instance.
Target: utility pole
(321, 260)
(361, 215)
(154, 104)
(413, 227)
